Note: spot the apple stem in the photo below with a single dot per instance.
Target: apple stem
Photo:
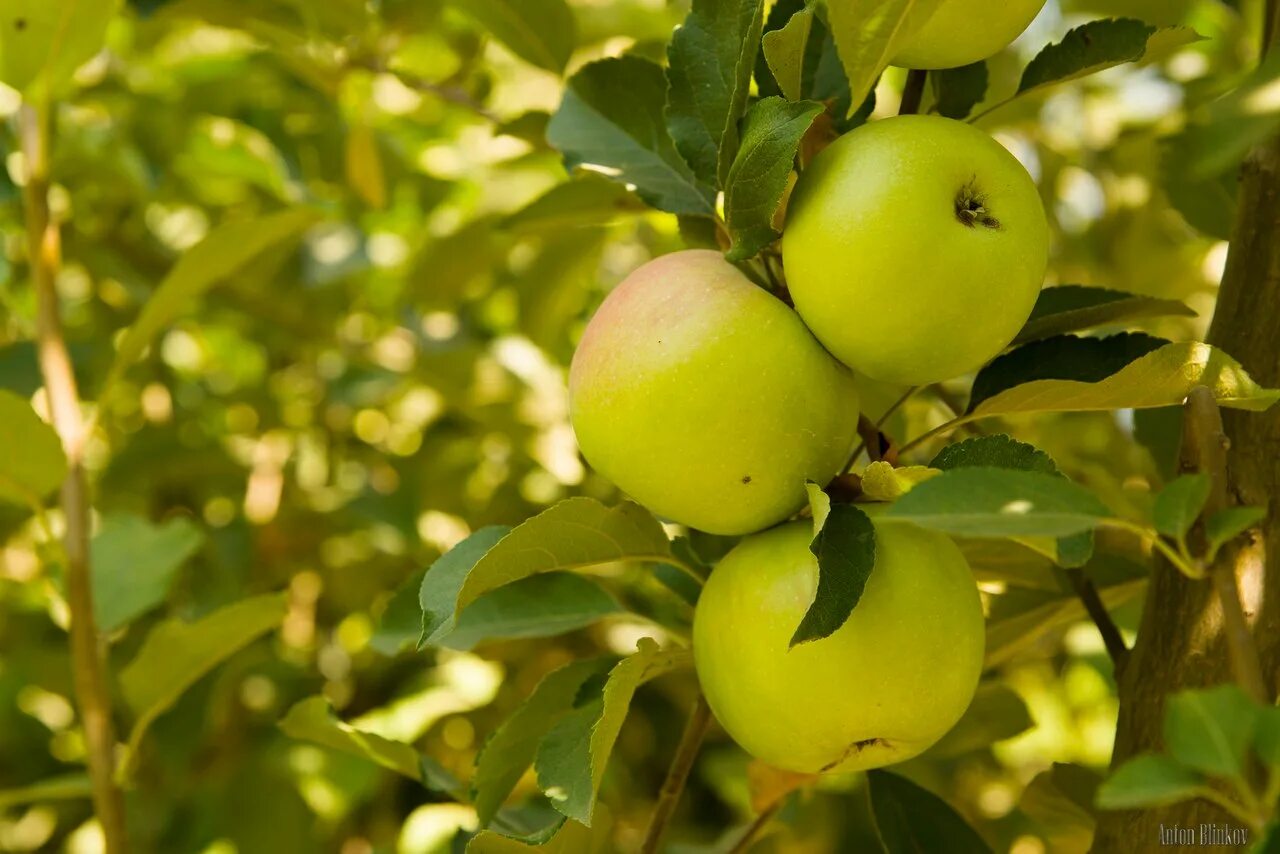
(695, 730)
(913, 92)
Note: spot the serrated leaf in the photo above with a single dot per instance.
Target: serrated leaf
(611, 120)
(438, 596)
(846, 553)
(224, 252)
(32, 463)
(912, 819)
(869, 32)
(588, 199)
(564, 837)
(313, 720)
(1163, 377)
(1210, 730)
(42, 43)
(709, 67)
(759, 176)
(997, 451)
(789, 50)
(1075, 308)
(995, 714)
(1062, 357)
(134, 564)
(1148, 781)
(572, 757)
(957, 91)
(882, 482)
(1227, 524)
(536, 607)
(511, 749)
(992, 502)
(176, 655)
(1087, 49)
(1178, 505)
(541, 32)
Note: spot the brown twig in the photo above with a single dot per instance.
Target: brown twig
(87, 652)
(1204, 449)
(1097, 611)
(695, 730)
(753, 832)
(913, 91)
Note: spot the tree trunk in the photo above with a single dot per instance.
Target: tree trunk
(1181, 642)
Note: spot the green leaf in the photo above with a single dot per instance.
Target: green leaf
(42, 43)
(1227, 524)
(1210, 730)
(400, 623)
(819, 505)
(1074, 308)
(789, 51)
(760, 173)
(1266, 739)
(992, 502)
(536, 607)
(846, 553)
(62, 788)
(176, 655)
(572, 757)
(996, 713)
(869, 32)
(1063, 357)
(312, 720)
(541, 32)
(565, 837)
(574, 534)
(1268, 841)
(1060, 800)
(1148, 781)
(1178, 505)
(1099, 45)
(443, 582)
(883, 482)
(32, 463)
(998, 451)
(709, 67)
(912, 819)
(512, 747)
(589, 199)
(611, 119)
(134, 564)
(224, 252)
(1163, 377)
(957, 91)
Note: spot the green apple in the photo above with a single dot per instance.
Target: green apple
(964, 31)
(884, 687)
(915, 248)
(706, 399)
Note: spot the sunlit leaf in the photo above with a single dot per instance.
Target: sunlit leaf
(43, 42)
(869, 32)
(32, 463)
(313, 720)
(1149, 781)
(1074, 308)
(134, 564)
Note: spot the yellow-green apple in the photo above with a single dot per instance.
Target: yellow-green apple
(961, 32)
(915, 248)
(705, 397)
(882, 688)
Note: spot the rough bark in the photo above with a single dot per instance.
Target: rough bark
(1182, 642)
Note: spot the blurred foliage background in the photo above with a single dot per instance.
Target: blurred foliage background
(336, 416)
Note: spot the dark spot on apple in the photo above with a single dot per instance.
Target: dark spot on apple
(746, 478)
(971, 207)
(854, 749)
(19, 24)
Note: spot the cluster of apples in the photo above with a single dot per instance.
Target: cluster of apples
(914, 249)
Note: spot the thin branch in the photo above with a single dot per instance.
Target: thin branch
(695, 730)
(1097, 611)
(757, 827)
(88, 658)
(913, 91)
(1204, 445)
(878, 426)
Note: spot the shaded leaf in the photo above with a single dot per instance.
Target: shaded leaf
(710, 60)
(846, 553)
(759, 176)
(995, 714)
(611, 118)
(1227, 524)
(1267, 735)
(958, 90)
(1178, 505)
(443, 582)
(1210, 730)
(997, 451)
(564, 837)
(313, 720)
(588, 199)
(790, 50)
(912, 819)
(1099, 45)
(1061, 801)
(869, 32)
(134, 564)
(536, 607)
(1074, 308)
(541, 32)
(32, 463)
(1148, 781)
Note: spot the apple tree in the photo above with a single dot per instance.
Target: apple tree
(628, 425)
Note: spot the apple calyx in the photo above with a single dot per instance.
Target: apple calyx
(971, 208)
